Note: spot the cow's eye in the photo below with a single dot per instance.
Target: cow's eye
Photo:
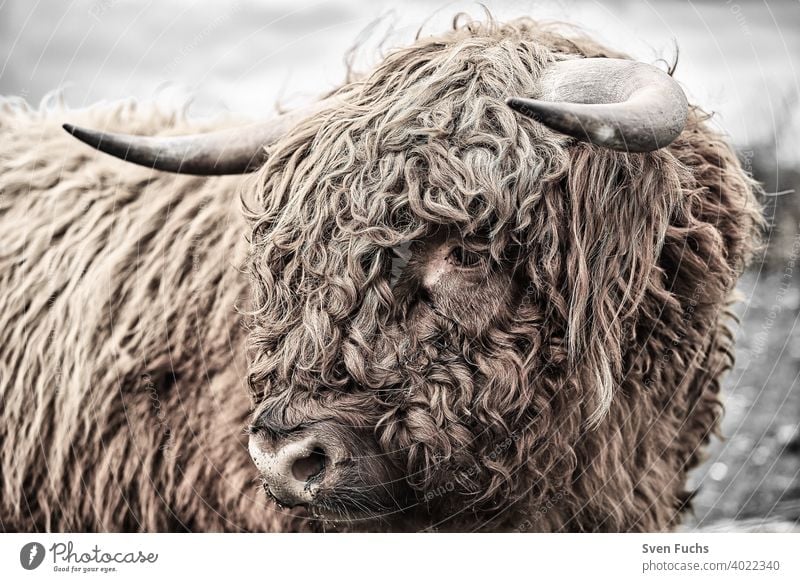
(464, 258)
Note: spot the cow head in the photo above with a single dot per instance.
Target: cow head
(442, 285)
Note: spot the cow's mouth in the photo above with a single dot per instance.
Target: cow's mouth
(343, 505)
(338, 508)
(332, 504)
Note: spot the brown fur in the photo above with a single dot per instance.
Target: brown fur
(571, 388)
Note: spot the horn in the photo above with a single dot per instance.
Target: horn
(231, 151)
(613, 103)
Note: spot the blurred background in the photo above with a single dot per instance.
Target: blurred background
(737, 58)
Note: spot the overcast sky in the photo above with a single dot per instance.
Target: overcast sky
(738, 58)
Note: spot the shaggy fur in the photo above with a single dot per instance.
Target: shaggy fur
(121, 363)
(568, 380)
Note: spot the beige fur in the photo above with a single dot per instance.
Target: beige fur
(121, 359)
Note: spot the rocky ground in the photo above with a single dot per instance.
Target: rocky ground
(753, 475)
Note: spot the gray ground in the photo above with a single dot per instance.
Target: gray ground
(755, 472)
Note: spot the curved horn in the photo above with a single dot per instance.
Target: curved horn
(229, 151)
(614, 103)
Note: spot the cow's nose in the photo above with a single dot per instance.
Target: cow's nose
(292, 470)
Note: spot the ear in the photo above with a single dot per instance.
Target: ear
(618, 211)
(720, 214)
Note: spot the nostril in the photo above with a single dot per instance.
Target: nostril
(292, 471)
(309, 466)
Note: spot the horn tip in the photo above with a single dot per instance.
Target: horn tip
(528, 107)
(514, 102)
(78, 133)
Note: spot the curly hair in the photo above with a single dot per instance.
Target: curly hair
(575, 387)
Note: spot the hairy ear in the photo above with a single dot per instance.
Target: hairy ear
(719, 211)
(648, 239)
(618, 208)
